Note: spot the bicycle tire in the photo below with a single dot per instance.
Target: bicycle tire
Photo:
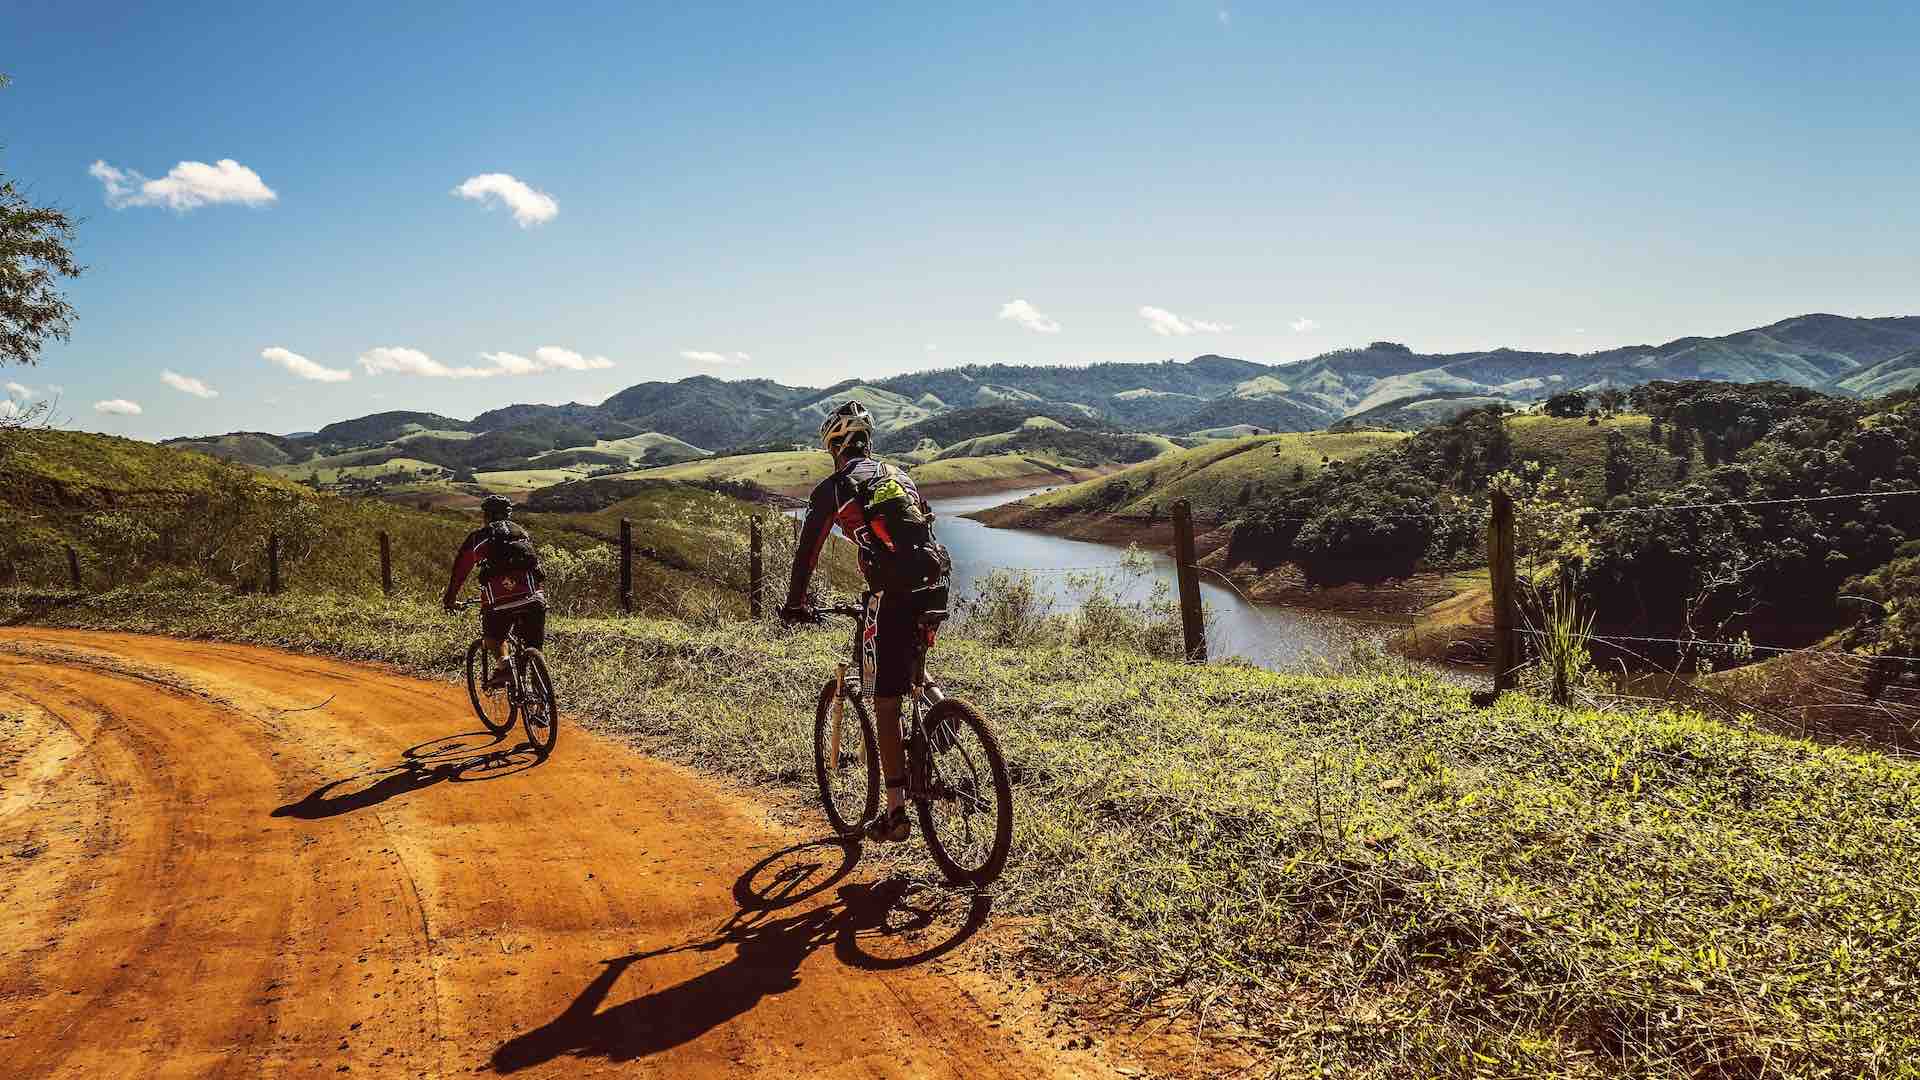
(486, 702)
(865, 798)
(539, 688)
(964, 724)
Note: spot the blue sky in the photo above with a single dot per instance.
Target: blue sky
(808, 192)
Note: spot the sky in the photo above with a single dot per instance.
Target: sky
(317, 212)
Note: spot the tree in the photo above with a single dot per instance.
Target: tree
(1569, 405)
(36, 252)
(1619, 464)
(1611, 398)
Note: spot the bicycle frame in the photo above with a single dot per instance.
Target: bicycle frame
(923, 694)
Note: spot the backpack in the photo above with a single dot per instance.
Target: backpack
(906, 556)
(510, 550)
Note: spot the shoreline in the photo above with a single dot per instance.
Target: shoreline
(1426, 603)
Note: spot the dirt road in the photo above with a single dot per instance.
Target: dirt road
(218, 860)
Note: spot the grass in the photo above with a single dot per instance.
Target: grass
(132, 510)
(335, 474)
(1212, 475)
(789, 472)
(1354, 876)
(796, 472)
(1579, 450)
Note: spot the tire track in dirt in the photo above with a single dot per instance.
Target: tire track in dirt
(210, 876)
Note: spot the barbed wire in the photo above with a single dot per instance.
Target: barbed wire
(1756, 502)
(1737, 645)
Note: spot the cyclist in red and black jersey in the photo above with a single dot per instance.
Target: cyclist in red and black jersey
(510, 578)
(877, 506)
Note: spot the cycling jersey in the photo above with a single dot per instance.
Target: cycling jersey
(893, 609)
(836, 501)
(501, 588)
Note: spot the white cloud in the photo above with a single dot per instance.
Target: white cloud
(1028, 316)
(399, 360)
(303, 367)
(8, 409)
(530, 207)
(117, 407)
(15, 389)
(1167, 324)
(1225, 16)
(931, 347)
(701, 356)
(186, 186)
(545, 358)
(187, 385)
(1303, 324)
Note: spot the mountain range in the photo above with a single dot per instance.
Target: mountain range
(1384, 384)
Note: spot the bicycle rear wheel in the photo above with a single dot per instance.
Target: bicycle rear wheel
(538, 709)
(847, 763)
(966, 812)
(493, 707)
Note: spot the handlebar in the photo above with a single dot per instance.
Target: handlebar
(851, 611)
(462, 605)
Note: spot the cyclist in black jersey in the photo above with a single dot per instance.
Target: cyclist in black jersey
(878, 507)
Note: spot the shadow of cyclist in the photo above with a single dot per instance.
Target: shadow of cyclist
(768, 952)
(459, 758)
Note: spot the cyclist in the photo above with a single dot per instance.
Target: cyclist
(510, 577)
(878, 507)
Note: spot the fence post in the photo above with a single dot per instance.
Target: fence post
(753, 567)
(386, 563)
(1506, 642)
(1191, 623)
(273, 564)
(73, 566)
(626, 565)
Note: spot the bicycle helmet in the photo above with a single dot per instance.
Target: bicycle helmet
(496, 507)
(850, 421)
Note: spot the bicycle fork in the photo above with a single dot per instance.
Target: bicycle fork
(839, 714)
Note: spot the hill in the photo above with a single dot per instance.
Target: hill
(1381, 385)
(1218, 477)
(135, 512)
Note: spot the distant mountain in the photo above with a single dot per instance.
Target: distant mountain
(1382, 384)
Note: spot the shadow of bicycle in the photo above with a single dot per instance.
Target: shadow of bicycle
(874, 926)
(462, 758)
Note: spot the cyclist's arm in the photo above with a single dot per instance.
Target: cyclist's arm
(813, 537)
(464, 560)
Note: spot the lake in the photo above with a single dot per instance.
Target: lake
(1272, 637)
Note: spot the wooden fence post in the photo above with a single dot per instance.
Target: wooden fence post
(753, 568)
(1191, 622)
(386, 563)
(626, 565)
(273, 564)
(1506, 641)
(73, 566)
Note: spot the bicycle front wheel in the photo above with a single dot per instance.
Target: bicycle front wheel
(845, 760)
(493, 707)
(538, 709)
(967, 810)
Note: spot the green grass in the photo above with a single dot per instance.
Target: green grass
(1212, 475)
(1351, 876)
(792, 472)
(133, 510)
(1579, 450)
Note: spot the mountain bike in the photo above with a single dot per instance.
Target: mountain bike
(527, 694)
(956, 778)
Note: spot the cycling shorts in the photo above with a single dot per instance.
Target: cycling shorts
(530, 618)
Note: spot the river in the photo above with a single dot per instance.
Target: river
(1273, 637)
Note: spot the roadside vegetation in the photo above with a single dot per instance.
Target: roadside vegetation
(1339, 875)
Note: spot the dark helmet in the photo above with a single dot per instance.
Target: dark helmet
(496, 507)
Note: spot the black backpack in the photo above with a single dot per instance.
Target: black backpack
(510, 549)
(913, 560)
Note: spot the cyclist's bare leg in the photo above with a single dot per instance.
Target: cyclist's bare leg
(893, 758)
(496, 648)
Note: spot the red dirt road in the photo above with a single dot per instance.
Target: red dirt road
(198, 880)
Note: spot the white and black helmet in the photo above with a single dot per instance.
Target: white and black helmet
(845, 422)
